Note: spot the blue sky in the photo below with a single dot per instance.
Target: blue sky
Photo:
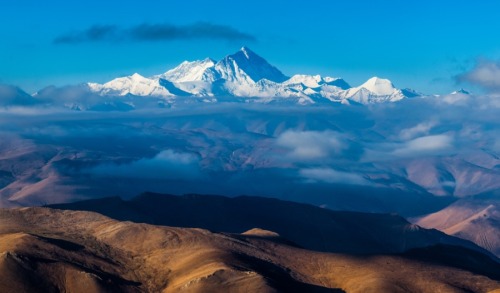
(416, 44)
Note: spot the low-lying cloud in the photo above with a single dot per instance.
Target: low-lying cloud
(307, 146)
(167, 164)
(14, 96)
(154, 32)
(329, 175)
(425, 145)
(422, 128)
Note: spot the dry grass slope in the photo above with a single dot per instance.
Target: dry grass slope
(46, 250)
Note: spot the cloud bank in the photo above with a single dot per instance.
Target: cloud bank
(154, 32)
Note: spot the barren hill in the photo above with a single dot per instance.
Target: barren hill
(474, 219)
(47, 250)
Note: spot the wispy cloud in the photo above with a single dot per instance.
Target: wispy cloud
(419, 129)
(96, 33)
(329, 175)
(485, 74)
(311, 145)
(154, 32)
(167, 164)
(425, 145)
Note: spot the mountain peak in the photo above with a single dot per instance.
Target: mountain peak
(191, 71)
(208, 60)
(247, 62)
(246, 51)
(378, 80)
(338, 82)
(137, 76)
(379, 86)
(461, 91)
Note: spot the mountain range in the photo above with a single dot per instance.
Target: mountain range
(246, 74)
(243, 77)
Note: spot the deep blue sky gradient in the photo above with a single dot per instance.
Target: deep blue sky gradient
(416, 44)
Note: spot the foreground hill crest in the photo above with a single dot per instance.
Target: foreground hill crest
(47, 250)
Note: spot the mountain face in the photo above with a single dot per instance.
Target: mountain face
(47, 250)
(375, 90)
(245, 65)
(192, 71)
(476, 219)
(246, 74)
(135, 84)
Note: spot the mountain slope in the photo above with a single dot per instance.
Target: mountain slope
(474, 219)
(45, 250)
(201, 70)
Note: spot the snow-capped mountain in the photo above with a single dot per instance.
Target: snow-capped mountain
(187, 71)
(374, 90)
(245, 66)
(246, 74)
(135, 84)
(315, 81)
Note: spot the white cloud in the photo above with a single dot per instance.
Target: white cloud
(167, 164)
(419, 129)
(429, 145)
(486, 74)
(329, 175)
(456, 99)
(496, 146)
(307, 146)
(425, 145)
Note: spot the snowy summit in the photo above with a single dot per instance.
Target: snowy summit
(245, 74)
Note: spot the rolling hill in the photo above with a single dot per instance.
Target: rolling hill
(47, 250)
